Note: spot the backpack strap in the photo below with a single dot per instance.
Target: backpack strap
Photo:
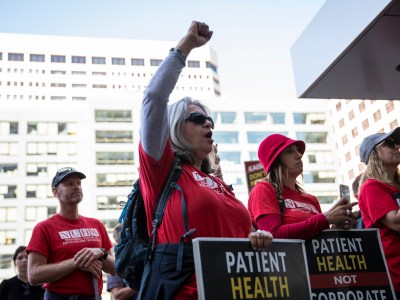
(170, 184)
(188, 233)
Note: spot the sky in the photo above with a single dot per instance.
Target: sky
(252, 38)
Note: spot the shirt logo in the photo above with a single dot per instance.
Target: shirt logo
(296, 205)
(79, 233)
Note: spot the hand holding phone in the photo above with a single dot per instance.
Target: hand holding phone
(344, 191)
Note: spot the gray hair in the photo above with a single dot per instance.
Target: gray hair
(177, 113)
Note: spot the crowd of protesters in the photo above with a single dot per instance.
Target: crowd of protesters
(68, 252)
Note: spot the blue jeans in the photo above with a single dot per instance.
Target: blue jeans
(54, 296)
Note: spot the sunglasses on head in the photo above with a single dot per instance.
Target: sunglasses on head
(199, 119)
(389, 143)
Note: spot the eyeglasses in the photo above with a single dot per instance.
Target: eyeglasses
(389, 143)
(65, 169)
(199, 119)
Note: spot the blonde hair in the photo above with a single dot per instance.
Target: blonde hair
(276, 174)
(376, 170)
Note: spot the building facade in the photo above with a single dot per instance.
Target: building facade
(68, 101)
(352, 121)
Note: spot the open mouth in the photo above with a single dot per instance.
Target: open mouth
(209, 135)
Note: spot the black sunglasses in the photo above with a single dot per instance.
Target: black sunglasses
(199, 119)
(389, 143)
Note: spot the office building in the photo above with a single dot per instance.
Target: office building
(69, 101)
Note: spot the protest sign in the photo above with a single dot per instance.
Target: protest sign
(348, 265)
(228, 268)
(254, 171)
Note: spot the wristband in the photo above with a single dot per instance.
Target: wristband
(105, 254)
(176, 50)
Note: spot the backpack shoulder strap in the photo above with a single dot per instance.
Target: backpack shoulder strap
(174, 174)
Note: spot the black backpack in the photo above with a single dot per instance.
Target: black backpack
(134, 244)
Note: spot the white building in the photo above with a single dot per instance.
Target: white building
(353, 120)
(68, 101)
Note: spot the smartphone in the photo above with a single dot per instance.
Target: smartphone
(344, 191)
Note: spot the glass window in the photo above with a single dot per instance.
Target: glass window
(58, 84)
(114, 158)
(114, 179)
(313, 137)
(113, 136)
(389, 106)
(32, 128)
(37, 213)
(113, 116)
(319, 177)
(13, 127)
(15, 57)
(230, 156)
(226, 137)
(319, 157)
(137, 62)
(351, 115)
(377, 115)
(7, 237)
(7, 128)
(98, 60)
(36, 57)
(309, 118)
(278, 118)
(78, 59)
(255, 117)
(8, 214)
(110, 202)
(118, 61)
(224, 117)
(58, 58)
(155, 62)
(8, 191)
(8, 169)
(253, 155)
(58, 72)
(264, 118)
(6, 261)
(256, 137)
(211, 66)
(193, 64)
(361, 106)
(10, 149)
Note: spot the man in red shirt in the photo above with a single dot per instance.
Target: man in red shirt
(68, 252)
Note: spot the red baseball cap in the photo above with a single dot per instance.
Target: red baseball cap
(273, 145)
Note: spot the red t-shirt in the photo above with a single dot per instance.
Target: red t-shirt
(212, 208)
(302, 217)
(375, 201)
(59, 239)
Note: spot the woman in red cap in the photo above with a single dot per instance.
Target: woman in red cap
(280, 205)
(379, 196)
